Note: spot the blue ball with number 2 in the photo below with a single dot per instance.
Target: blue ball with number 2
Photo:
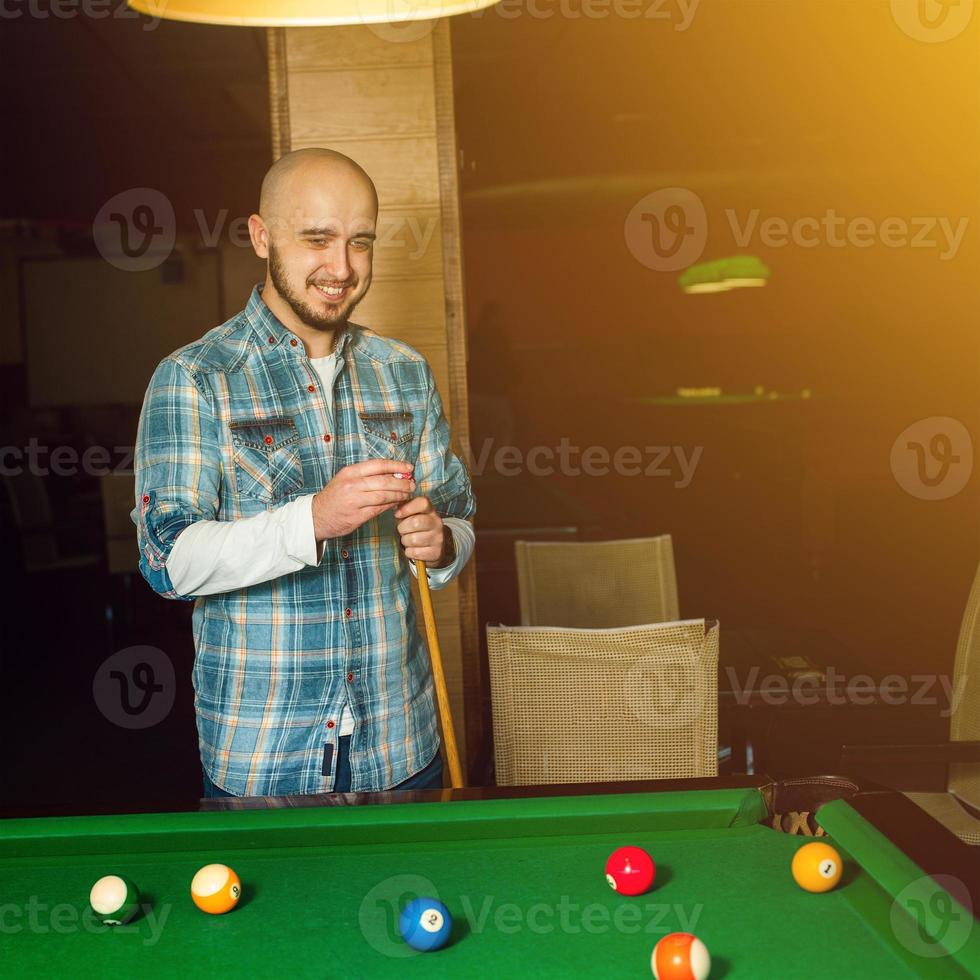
(425, 924)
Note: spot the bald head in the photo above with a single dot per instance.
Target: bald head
(287, 180)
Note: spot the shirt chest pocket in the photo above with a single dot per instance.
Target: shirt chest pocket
(268, 465)
(387, 435)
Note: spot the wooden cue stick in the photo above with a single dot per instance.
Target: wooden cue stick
(442, 694)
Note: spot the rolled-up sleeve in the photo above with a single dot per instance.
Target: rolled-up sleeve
(177, 465)
(442, 475)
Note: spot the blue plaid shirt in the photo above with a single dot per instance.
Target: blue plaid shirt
(235, 424)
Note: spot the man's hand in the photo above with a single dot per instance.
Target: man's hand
(359, 492)
(422, 531)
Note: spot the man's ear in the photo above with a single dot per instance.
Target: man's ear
(259, 235)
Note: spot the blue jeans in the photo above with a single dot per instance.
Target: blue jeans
(428, 778)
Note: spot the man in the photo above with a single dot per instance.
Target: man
(289, 463)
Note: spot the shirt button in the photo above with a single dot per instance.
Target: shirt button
(292, 343)
(268, 440)
(394, 436)
(345, 553)
(347, 612)
(146, 498)
(330, 724)
(326, 437)
(272, 340)
(311, 387)
(350, 677)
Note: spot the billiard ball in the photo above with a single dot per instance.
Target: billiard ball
(216, 889)
(817, 867)
(680, 956)
(114, 900)
(425, 924)
(630, 870)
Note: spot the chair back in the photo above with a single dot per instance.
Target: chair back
(597, 584)
(584, 705)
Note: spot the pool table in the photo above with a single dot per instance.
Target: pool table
(523, 875)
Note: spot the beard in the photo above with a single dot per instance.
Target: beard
(329, 319)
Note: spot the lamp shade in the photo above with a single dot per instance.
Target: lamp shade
(304, 13)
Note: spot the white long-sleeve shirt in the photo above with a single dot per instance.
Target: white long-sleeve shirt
(218, 556)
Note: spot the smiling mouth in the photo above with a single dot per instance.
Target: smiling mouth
(333, 294)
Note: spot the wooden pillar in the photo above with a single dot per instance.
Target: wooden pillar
(388, 104)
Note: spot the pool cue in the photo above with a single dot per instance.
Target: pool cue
(442, 695)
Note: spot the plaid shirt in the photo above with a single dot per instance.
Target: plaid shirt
(235, 424)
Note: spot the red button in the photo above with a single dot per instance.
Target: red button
(292, 343)
(146, 498)
(347, 613)
(311, 387)
(345, 553)
(330, 724)
(268, 440)
(326, 437)
(350, 677)
(272, 340)
(394, 436)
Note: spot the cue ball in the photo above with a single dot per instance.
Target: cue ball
(114, 900)
(425, 924)
(216, 889)
(630, 870)
(680, 956)
(817, 867)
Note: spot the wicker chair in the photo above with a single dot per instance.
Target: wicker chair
(583, 705)
(597, 584)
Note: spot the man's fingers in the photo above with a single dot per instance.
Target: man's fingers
(415, 505)
(380, 498)
(379, 467)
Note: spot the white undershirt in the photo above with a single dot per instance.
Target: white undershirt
(210, 557)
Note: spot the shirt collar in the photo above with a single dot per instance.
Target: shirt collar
(271, 332)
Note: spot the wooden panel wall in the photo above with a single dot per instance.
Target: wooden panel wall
(389, 106)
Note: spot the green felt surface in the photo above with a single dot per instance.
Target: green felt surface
(523, 878)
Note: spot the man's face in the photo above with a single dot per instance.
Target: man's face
(320, 251)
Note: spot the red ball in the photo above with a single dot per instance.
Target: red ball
(630, 870)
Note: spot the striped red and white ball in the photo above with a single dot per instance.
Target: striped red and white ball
(680, 956)
(630, 871)
(114, 900)
(216, 889)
